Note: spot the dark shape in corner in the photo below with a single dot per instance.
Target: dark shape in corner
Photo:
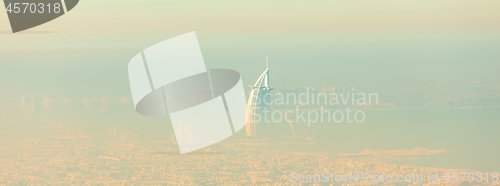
(24, 20)
(70, 4)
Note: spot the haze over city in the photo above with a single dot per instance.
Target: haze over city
(428, 70)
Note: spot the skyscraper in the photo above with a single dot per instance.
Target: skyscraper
(22, 103)
(258, 102)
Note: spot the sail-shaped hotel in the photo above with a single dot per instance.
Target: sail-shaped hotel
(258, 102)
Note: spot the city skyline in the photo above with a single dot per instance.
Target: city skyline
(153, 92)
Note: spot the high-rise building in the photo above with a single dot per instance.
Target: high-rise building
(125, 101)
(22, 103)
(186, 134)
(67, 102)
(258, 102)
(332, 92)
(48, 103)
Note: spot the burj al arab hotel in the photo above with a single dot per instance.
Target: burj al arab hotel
(258, 102)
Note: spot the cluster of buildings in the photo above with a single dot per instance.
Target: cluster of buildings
(72, 156)
(34, 103)
(428, 97)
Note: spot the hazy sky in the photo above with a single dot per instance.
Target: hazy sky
(284, 16)
(353, 43)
